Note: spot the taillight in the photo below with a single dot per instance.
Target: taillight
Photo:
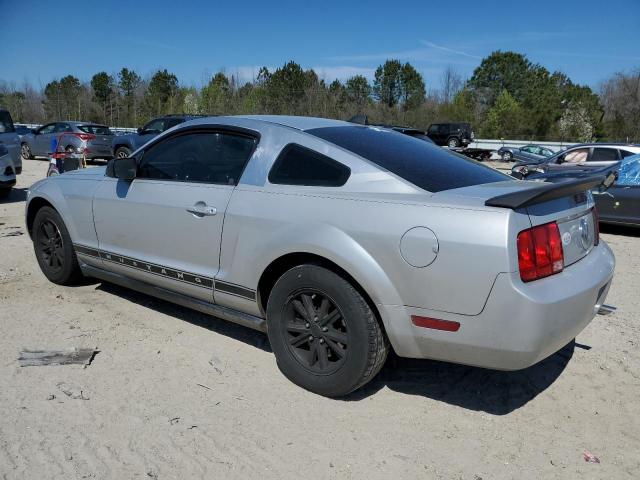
(85, 136)
(540, 252)
(596, 226)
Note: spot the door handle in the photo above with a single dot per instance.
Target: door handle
(201, 209)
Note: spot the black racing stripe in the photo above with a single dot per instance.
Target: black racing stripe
(235, 290)
(91, 252)
(185, 277)
(166, 272)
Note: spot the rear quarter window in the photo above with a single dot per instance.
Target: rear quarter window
(297, 165)
(423, 164)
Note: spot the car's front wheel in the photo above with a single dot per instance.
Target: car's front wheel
(54, 249)
(26, 152)
(324, 334)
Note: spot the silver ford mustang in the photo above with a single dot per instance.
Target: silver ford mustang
(340, 241)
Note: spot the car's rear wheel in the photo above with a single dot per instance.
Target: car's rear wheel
(507, 156)
(453, 143)
(54, 249)
(123, 152)
(324, 334)
(26, 152)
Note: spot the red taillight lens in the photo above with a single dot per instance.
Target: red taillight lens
(596, 226)
(540, 252)
(85, 136)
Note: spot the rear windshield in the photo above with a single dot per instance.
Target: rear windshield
(6, 124)
(95, 129)
(425, 165)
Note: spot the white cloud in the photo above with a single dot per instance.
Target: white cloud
(342, 73)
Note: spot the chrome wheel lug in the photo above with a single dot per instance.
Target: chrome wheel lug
(325, 329)
(311, 338)
(306, 325)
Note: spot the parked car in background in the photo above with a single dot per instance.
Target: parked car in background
(330, 240)
(11, 141)
(23, 130)
(412, 132)
(97, 139)
(620, 203)
(525, 153)
(7, 172)
(452, 135)
(123, 145)
(588, 156)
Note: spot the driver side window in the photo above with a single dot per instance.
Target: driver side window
(576, 156)
(209, 157)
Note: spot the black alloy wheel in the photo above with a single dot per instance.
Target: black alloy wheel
(323, 331)
(316, 331)
(50, 247)
(54, 249)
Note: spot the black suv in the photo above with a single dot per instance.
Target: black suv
(452, 135)
(124, 145)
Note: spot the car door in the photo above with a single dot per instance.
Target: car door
(165, 226)
(621, 202)
(42, 140)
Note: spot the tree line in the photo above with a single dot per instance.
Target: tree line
(507, 96)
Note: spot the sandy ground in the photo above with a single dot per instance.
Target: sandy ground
(177, 394)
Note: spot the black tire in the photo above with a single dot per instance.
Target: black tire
(122, 152)
(54, 249)
(5, 192)
(453, 142)
(507, 156)
(331, 350)
(25, 151)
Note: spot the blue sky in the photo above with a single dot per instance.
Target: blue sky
(40, 41)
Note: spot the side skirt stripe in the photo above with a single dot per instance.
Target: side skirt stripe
(166, 272)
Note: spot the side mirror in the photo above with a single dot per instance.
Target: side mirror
(122, 168)
(140, 130)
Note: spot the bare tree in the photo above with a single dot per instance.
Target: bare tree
(620, 96)
(451, 83)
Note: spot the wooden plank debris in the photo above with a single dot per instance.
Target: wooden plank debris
(36, 358)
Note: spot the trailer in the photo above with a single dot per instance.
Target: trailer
(480, 154)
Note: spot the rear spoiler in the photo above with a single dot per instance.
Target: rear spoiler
(544, 192)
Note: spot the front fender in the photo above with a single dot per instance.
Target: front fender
(72, 199)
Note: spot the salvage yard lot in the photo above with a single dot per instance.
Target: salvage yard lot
(176, 394)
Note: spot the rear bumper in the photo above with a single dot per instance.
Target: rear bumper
(520, 324)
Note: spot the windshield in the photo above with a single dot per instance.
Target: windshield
(423, 164)
(95, 129)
